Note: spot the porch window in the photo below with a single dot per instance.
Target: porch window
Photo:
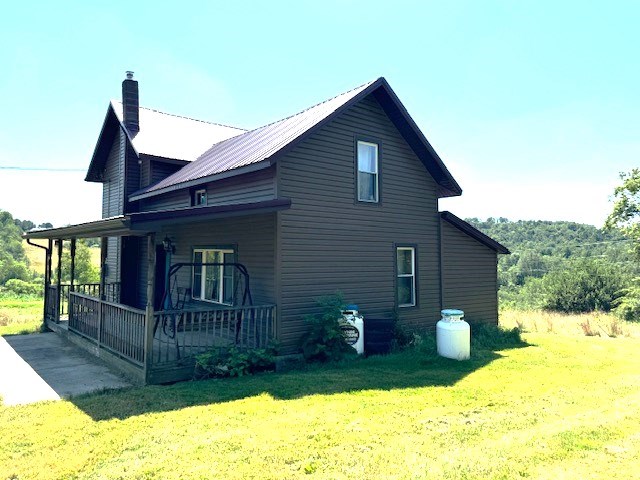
(367, 172)
(213, 283)
(406, 276)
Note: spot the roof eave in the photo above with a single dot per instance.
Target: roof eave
(109, 226)
(448, 186)
(473, 232)
(98, 159)
(142, 194)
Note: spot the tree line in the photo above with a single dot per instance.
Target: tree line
(561, 266)
(16, 275)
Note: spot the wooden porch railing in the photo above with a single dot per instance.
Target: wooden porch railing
(112, 326)
(112, 293)
(52, 303)
(182, 334)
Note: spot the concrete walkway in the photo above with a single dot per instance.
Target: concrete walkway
(45, 366)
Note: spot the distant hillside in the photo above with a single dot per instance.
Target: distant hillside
(541, 246)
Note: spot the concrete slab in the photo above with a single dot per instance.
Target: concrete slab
(45, 366)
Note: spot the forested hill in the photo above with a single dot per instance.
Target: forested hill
(556, 239)
(541, 247)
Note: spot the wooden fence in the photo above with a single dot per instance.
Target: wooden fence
(52, 299)
(181, 334)
(112, 326)
(112, 293)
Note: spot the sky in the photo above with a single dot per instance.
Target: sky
(532, 105)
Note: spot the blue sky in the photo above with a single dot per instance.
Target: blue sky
(533, 106)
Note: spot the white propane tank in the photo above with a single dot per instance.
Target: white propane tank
(352, 326)
(453, 335)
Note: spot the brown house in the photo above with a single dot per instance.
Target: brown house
(214, 234)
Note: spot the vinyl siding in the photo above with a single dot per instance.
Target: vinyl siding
(253, 187)
(329, 242)
(113, 201)
(252, 236)
(132, 178)
(167, 201)
(470, 273)
(249, 188)
(161, 170)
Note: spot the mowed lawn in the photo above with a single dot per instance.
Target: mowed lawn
(564, 406)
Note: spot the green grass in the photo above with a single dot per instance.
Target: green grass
(20, 316)
(564, 406)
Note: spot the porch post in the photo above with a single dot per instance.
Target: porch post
(73, 262)
(148, 334)
(47, 278)
(59, 280)
(103, 261)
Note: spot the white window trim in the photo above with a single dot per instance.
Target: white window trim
(376, 173)
(405, 275)
(203, 276)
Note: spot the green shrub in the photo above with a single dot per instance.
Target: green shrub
(235, 362)
(324, 341)
(584, 286)
(20, 287)
(627, 307)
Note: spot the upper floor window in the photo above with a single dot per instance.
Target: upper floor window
(213, 283)
(199, 197)
(368, 172)
(406, 276)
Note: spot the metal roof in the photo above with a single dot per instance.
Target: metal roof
(252, 147)
(473, 232)
(172, 136)
(261, 147)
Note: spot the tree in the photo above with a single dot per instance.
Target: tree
(584, 285)
(85, 271)
(626, 209)
(13, 262)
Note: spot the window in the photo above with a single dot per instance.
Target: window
(199, 197)
(367, 172)
(213, 283)
(406, 276)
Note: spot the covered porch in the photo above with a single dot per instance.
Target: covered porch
(157, 343)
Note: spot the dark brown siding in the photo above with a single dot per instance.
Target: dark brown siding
(132, 178)
(113, 201)
(253, 238)
(113, 185)
(161, 170)
(167, 201)
(330, 242)
(253, 187)
(469, 276)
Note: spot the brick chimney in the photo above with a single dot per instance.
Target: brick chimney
(130, 104)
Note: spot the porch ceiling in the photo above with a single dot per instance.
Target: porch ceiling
(139, 224)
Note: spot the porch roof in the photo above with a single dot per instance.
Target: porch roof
(137, 224)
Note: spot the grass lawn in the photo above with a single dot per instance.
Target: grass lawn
(19, 316)
(564, 406)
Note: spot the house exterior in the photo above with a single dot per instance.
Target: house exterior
(342, 196)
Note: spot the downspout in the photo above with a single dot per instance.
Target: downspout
(59, 280)
(47, 280)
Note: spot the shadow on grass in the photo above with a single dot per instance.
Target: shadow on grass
(413, 368)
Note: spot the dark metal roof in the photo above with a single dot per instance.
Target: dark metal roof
(473, 232)
(266, 144)
(136, 224)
